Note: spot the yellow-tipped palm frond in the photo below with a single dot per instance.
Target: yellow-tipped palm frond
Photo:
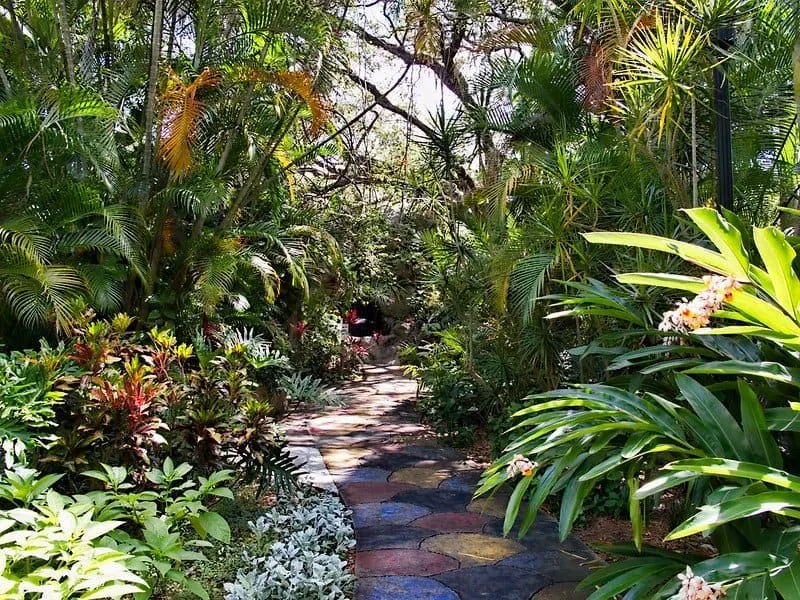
(302, 84)
(181, 112)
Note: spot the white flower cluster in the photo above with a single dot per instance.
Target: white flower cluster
(696, 588)
(520, 465)
(312, 535)
(690, 315)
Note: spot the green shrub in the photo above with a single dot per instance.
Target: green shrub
(52, 546)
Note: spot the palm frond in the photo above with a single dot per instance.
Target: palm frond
(180, 114)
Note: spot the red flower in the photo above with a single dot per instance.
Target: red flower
(350, 317)
(210, 331)
(357, 347)
(301, 328)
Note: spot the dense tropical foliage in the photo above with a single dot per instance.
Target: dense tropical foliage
(209, 210)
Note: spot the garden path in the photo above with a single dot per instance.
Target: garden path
(420, 535)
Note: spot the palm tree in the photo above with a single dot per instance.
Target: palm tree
(158, 163)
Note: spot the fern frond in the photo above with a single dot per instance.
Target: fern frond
(527, 282)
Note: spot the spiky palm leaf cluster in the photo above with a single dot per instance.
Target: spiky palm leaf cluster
(86, 218)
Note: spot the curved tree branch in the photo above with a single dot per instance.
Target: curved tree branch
(465, 181)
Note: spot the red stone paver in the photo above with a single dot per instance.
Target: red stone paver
(371, 491)
(453, 522)
(403, 562)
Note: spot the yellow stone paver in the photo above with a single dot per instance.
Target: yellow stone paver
(344, 458)
(489, 505)
(421, 477)
(473, 549)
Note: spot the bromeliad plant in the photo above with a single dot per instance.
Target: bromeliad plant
(726, 444)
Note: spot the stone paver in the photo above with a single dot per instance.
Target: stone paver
(403, 561)
(403, 588)
(419, 533)
(473, 549)
(453, 522)
(363, 492)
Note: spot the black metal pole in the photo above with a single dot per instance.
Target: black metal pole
(722, 105)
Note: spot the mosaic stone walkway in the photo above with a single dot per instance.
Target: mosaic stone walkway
(420, 535)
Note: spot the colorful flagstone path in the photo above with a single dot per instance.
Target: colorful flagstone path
(420, 535)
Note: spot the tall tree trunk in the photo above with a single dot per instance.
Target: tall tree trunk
(106, 27)
(150, 107)
(66, 41)
(4, 79)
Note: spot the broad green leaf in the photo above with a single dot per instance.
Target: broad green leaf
(768, 370)
(672, 365)
(620, 584)
(715, 416)
(755, 331)
(97, 530)
(703, 257)
(616, 426)
(755, 428)
(216, 526)
(665, 280)
(761, 311)
(67, 522)
(726, 238)
(643, 590)
(637, 443)
(711, 516)
(614, 461)
(635, 508)
(196, 588)
(571, 503)
(737, 469)
(664, 482)
(735, 565)
(44, 484)
(757, 588)
(782, 419)
(617, 578)
(787, 581)
(512, 510)
(657, 352)
(778, 257)
(570, 420)
(544, 486)
(182, 470)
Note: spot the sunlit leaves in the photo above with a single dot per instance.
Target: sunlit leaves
(664, 60)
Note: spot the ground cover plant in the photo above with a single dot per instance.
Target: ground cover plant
(119, 445)
(310, 535)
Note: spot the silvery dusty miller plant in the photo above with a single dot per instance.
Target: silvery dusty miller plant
(312, 535)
